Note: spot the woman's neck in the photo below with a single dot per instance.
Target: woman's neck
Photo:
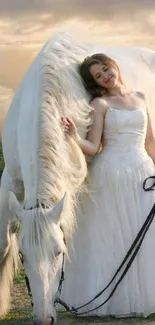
(119, 90)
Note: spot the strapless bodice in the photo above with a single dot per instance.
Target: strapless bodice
(124, 136)
(125, 127)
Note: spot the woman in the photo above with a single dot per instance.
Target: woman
(117, 205)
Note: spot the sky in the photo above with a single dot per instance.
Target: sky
(25, 25)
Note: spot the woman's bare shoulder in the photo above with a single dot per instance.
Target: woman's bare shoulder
(99, 103)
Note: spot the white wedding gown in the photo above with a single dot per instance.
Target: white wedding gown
(111, 216)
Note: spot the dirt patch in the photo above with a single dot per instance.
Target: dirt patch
(20, 298)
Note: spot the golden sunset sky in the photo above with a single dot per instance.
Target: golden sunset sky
(25, 25)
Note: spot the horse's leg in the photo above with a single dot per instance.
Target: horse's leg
(14, 185)
(8, 240)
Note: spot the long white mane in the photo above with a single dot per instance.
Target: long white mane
(62, 167)
(62, 94)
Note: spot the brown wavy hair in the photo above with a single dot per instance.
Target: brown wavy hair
(90, 84)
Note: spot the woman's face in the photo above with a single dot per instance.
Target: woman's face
(104, 75)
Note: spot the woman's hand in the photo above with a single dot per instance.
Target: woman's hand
(70, 128)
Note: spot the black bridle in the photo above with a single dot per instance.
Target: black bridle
(62, 278)
(129, 258)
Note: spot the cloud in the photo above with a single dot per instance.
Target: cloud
(38, 19)
(84, 9)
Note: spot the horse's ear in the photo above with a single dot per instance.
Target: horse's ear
(55, 213)
(15, 206)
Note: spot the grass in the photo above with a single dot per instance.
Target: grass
(21, 310)
(20, 306)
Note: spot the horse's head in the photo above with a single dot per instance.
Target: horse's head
(42, 245)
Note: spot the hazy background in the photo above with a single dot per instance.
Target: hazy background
(25, 25)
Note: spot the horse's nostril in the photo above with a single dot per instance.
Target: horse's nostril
(52, 320)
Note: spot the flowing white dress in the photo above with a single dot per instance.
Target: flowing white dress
(111, 216)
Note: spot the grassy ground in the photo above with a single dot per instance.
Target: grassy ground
(20, 313)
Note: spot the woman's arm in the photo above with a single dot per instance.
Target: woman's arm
(150, 138)
(91, 145)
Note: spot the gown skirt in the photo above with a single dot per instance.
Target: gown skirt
(109, 218)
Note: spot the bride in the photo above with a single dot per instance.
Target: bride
(116, 205)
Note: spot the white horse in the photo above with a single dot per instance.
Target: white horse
(41, 164)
